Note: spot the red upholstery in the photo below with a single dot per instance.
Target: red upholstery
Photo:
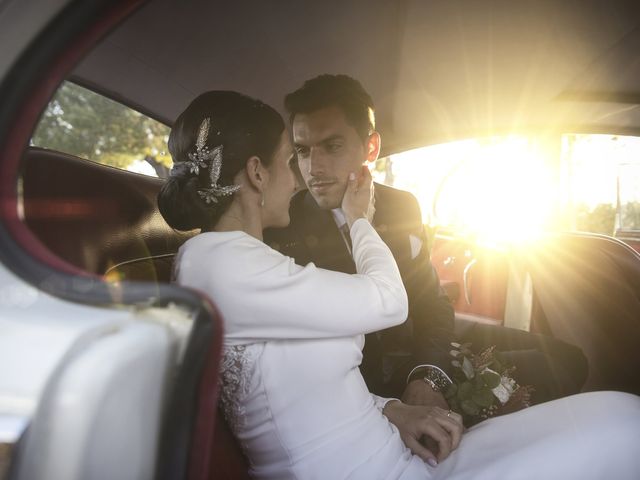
(227, 460)
(91, 215)
(486, 271)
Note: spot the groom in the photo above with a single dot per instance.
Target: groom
(333, 127)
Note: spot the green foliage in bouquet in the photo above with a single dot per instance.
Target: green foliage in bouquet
(482, 385)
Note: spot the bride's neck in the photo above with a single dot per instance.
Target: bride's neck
(239, 216)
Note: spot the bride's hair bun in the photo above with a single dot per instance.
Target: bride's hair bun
(243, 126)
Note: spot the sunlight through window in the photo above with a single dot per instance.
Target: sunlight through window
(511, 189)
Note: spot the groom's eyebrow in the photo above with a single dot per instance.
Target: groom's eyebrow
(323, 141)
(331, 138)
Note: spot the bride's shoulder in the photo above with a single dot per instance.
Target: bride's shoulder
(231, 249)
(216, 247)
(220, 241)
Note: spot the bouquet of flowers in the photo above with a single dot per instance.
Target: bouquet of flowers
(482, 385)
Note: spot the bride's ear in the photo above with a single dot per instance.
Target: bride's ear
(256, 173)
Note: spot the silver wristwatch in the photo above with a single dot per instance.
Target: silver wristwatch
(433, 376)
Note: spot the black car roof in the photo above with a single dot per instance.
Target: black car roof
(437, 70)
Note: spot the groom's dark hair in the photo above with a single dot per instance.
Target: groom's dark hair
(341, 91)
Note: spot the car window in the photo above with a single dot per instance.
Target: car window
(88, 125)
(628, 214)
(604, 179)
(515, 187)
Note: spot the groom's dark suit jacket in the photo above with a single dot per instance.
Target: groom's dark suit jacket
(389, 355)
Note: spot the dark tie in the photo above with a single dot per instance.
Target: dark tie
(346, 236)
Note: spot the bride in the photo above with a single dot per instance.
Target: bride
(291, 388)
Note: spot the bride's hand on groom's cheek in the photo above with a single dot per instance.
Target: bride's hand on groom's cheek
(358, 197)
(432, 433)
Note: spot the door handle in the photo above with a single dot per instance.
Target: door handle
(465, 280)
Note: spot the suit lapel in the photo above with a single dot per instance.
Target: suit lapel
(321, 236)
(379, 221)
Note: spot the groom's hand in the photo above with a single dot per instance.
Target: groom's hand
(418, 392)
(417, 423)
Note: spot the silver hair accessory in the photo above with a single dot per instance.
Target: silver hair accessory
(203, 155)
(206, 158)
(199, 160)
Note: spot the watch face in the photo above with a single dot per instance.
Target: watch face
(437, 377)
(432, 384)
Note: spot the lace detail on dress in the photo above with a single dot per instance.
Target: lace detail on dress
(237, 367)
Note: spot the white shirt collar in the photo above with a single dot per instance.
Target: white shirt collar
(339, 217)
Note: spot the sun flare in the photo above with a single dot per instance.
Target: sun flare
(496, 190)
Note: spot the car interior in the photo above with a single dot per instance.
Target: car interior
(438, 71)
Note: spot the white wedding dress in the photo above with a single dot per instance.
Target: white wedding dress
(295, 399)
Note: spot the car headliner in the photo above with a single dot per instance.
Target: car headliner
(437, 69)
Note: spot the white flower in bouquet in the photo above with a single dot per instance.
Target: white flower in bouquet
(505, 389)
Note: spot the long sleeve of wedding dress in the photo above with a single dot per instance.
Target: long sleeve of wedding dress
(269, 296)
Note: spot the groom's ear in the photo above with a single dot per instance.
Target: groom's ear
(373, 147)
(256, 173)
